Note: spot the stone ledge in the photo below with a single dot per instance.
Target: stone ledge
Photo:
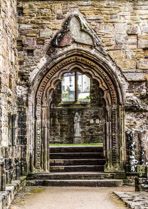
(6, 197)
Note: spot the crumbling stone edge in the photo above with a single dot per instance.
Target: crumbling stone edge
(7, 196)
(125, 202)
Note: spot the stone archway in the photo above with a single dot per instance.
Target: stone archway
(108, 82)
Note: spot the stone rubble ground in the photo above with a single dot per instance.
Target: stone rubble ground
(134, 200)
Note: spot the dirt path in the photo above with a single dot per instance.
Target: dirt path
(68, 198)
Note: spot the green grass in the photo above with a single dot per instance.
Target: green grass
(77, 144)
(38, 190)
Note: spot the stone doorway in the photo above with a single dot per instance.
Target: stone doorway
(108, 89)
(77, 111)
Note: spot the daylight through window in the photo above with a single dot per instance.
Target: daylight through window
(75, 87)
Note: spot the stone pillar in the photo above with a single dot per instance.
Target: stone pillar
(141, 182)
(3, 177)
(17, 166)
(131, 165)
(45, 140)
(115, 156)
(142, 159)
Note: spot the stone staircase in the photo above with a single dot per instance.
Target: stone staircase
(77, 159)
(76, 166)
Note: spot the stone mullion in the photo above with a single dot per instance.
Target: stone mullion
(76, 86)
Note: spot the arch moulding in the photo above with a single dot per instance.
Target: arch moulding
(107, 81)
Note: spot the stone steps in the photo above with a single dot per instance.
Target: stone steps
(76, 155)
(77, 162)
(55, 149)
(76, 182)
(73, 175)
(76, 168)
(76, 159)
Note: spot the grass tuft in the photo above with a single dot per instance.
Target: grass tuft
(38, 190)
(91, 144)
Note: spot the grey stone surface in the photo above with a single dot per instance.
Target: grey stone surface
(135, 200)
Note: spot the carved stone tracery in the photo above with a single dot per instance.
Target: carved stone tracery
(49, 82)
(75, 30)
(95, 69)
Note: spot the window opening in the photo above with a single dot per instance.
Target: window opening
(20, 11)
(75, 87)
(11, 128)
(83, 87)
(68, 87)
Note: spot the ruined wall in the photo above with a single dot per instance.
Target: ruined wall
(91, 121)
(10, 149)
(122, 27)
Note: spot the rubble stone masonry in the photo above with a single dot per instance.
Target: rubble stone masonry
(27, 28)
(10, 148)
(122, 26)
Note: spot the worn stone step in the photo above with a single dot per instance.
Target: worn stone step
(55, 149)
(76, 155)
(76, 182)
(77, 168)
(72, 175)
(77, 162)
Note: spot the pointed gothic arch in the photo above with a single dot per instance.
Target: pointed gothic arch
(108, 82)
(66, 52)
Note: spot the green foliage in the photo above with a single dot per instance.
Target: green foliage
(65, 99)
(64, 92)
(95, 144)
(86, 98)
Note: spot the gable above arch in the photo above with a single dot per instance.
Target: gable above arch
(75, 38)
(75, 29)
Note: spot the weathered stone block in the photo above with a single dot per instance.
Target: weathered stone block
(143, 64)
(133, 29)
(132, 41)
(143, 44)
(45, 33)
(25, 27)
(121, 38)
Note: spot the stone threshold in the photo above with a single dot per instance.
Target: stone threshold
(7, 196)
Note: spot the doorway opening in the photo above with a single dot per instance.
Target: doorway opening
(77, 111)
(77, 124)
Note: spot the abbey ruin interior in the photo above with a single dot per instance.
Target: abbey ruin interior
(73, 72)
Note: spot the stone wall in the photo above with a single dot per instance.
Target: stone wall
(91, 121)
(120, 25)
(28, 27)
(10, 148)
(8, 64)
